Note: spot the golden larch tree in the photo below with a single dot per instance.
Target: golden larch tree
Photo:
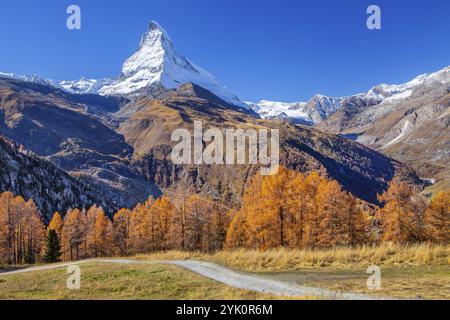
(136, 241)
(437, 218)
(239, 234)
(74, 235)
(56, 224)
(399, 216)
(332, 207)
(121, 227)
(297, 203)
(166, 212)
(103, 235)
(312, 183)
(6, 227)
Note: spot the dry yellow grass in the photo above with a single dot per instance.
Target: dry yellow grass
(407, 271)
(171, 255)
(341, 258)
(291, 260)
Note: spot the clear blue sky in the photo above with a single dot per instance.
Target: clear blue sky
(284, 50)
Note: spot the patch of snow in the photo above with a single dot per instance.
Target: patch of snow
(399, 96)
(272, 109)
(84, 86)
(429, 181)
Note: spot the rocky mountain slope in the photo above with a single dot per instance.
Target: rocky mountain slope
(408, 122)
(51, 188)
(411, 124)
(128, 157)
(147, 129)
(76, 132)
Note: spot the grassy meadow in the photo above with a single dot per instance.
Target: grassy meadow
(411, 272)
(120, 282)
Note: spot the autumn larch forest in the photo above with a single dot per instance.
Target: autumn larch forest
(290, 210)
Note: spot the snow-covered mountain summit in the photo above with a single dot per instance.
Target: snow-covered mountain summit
(157, 63)
(321, 107)
(84, 86)
(27, 78)
(315, 110)
(389, 92)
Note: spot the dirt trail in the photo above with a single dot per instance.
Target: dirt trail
(226, 276)
(264, 284)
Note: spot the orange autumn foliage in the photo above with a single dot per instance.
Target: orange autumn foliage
(289, 209)
(437, 218)
(292, 210)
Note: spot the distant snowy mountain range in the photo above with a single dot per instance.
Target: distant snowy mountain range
(321, 107)
(156, 64)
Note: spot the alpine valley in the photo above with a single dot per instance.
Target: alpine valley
(408, 122)
(107, 141)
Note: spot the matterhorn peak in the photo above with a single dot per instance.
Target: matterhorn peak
(156, 63)
(155, 35)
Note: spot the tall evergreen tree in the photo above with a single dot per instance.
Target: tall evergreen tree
(52, 247)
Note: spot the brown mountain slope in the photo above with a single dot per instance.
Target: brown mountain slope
(148, 129)
(76, 133)
(44, 120)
